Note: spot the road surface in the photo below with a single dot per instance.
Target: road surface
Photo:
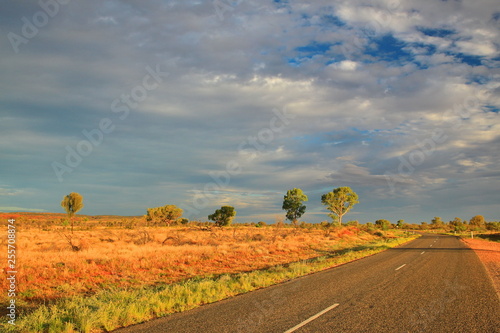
(432, 284)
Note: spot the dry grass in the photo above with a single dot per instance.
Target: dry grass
(50, 268)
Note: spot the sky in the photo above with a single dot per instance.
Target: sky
(200, 104)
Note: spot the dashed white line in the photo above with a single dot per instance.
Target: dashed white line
(430, 245)
(400, 267)
(422, 252)
(305, 322)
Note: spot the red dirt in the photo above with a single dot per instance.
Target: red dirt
(489, 253)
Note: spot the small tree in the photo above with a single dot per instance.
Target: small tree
(477, 221)
(455, 221)
(292, 203)
(339, 202)
(457, 225)
(223, 216)
(166, 214)
(72, 203)
(400, 224)
(383, 224)
(437, 223)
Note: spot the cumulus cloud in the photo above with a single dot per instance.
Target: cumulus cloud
(368, 84)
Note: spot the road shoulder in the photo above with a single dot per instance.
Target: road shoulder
(489, 254)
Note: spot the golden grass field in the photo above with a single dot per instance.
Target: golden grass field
(49, 268)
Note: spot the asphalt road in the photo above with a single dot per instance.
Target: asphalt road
(433, 284)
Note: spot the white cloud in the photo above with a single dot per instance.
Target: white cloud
(21, 209)
(354, 115)
(481, 48)
(106, 20)
(6, 191)
(346, 65)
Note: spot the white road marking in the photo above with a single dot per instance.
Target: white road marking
(400, 267)
(430, 245)
(422, 252)
(305, 322)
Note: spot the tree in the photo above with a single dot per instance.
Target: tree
(455, 221)
(223, 216)
(383, 224)
(477, 221)
(166, 214)
(339, 202)
(292, 203)
(457, 225)
(72, 203)
(400, 224)
(437, 223)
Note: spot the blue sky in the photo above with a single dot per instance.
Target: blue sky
(137, 104)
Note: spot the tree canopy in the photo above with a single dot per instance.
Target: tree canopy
(223, 216)
(166, 214)
(339, 202)
(437, 223)
(383, 224)
(72, 203)
(292, 203)
(477, 221)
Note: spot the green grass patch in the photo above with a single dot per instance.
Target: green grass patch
(111, 309)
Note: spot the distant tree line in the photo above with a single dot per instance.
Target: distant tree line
(339, 202)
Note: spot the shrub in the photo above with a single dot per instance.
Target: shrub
(166, 214)
(258, 237)
(495, 226)
(352, 223)
(383, 224)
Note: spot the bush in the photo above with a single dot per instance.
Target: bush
(166, 214)
(258, 237)
(352, 223)
(368, 227)
(495, 226)
(383, 224)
